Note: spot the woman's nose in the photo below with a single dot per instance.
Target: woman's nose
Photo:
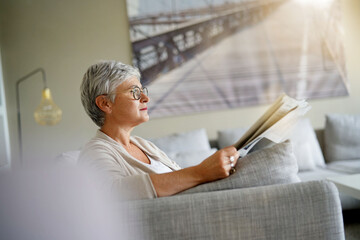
(144, 98)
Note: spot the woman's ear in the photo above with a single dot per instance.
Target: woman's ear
(103, 103)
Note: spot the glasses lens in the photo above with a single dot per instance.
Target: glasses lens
(145, 91)
(137, 93)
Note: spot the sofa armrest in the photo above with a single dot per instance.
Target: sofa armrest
(309, 210)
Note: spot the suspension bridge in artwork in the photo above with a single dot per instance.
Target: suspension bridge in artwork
(191, 32)
(238, 54)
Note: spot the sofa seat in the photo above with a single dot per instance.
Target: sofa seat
(347, 202)
(318, 174)
(346, 166)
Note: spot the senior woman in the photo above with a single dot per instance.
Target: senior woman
(113, 97)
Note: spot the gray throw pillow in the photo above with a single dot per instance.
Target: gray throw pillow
(342, 137)
(273, 165)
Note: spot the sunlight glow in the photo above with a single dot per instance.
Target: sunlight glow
(315, 3)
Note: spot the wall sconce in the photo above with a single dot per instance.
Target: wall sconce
(47, 113)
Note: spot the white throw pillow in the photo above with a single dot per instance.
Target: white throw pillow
(342, 137)
(228, 137)
(303, 155)
(192, 158)
(195, 140)
(306, 147)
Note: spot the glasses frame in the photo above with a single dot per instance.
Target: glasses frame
(142, 90)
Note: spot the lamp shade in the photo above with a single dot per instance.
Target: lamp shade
(47, 113)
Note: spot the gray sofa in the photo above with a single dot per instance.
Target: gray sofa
(261, 200)
(70, 204)
(309, 210)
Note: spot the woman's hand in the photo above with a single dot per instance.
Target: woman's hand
(218, 165)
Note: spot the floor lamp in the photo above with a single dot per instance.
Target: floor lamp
(47, 113)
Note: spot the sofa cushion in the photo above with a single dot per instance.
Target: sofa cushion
(303, 154)
(191, 158)
(228, 137)
(195, 140)
(273, 165)
(342, 137)
(318, 174)
(345, 166)
(306, 147)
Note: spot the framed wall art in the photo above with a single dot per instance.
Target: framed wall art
(205, 55)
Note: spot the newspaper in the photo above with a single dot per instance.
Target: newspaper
(274, 125)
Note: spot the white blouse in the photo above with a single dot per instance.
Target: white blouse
(157, 166)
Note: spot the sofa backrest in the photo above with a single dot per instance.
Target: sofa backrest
(320, 137)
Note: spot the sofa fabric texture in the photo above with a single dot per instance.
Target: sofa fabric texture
(342, 137)
(308, 210)
(273, 165)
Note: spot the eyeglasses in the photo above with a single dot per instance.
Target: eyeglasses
(137, 92)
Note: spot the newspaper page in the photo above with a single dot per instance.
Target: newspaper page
(275, 124)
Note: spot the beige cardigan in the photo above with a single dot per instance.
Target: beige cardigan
(126, 175)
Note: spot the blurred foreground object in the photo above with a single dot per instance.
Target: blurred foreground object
(57, 203)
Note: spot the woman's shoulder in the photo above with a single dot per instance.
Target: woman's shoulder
(98, 147)
(97, 143)
(100, 140)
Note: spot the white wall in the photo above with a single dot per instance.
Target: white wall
(65, 37)
(4, 127)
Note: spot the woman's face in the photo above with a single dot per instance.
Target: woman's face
(125, 110)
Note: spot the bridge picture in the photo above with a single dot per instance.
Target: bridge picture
(205, 55)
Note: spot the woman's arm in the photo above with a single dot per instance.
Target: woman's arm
(215, 167)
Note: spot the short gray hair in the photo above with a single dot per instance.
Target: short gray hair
(103, 78)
